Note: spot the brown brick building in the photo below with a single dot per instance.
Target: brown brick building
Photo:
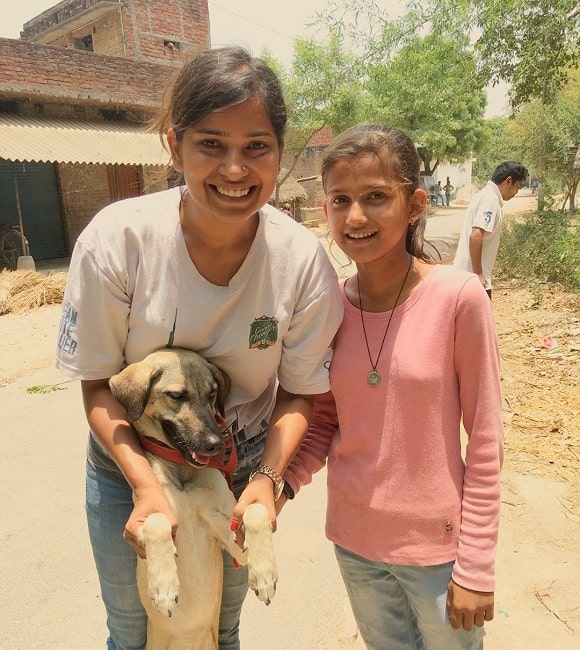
(75, 93)
(308, 167)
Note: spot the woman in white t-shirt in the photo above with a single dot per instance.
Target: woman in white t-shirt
(211, 267)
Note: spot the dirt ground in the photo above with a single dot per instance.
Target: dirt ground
(538, 565)
(539, 338)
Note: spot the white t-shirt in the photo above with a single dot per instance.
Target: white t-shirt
(132, 287)
(485, 212)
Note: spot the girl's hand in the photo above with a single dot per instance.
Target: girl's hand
(148, 500)
(466, 607)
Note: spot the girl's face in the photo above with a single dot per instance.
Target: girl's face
(230, 161)
(367, 213)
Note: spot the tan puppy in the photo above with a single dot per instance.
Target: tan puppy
(173, 398)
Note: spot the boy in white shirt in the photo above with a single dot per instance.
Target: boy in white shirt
(480, 235)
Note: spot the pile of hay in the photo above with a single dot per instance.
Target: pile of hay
(23, 291)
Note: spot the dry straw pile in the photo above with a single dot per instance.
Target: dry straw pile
(22, 291)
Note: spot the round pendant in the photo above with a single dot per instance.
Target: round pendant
(373, 378)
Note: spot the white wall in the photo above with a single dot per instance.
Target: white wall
(460, 177)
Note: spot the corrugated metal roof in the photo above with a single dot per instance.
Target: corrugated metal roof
(38, 140)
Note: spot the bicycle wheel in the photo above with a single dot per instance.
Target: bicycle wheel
(10, 249)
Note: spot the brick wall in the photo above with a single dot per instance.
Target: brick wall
(157, 31)
(106, 34)
(166, 30)
(43, 72)
(84, 191)
(184, 23)
(137, 47)
(308, 164)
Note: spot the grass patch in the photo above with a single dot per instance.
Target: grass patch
(541, 247)
(44, 388)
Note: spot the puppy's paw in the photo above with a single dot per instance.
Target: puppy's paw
(262, 577)
(262, 571)
(164, 592)
(162, 579)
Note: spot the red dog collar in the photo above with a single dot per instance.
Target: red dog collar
(173, 456)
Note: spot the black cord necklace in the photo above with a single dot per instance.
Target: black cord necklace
(374, 377)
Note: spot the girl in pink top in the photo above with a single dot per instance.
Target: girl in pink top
(413, 519)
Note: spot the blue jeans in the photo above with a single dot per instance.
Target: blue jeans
(109, 503)
(402, 607)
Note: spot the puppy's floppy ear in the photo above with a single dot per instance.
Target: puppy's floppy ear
(224, 384)
(131, 387)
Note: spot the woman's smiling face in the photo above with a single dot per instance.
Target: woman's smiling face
(367, 214)
(229, 160)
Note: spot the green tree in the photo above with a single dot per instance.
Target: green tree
(532, 46)
(323, 88)
(500, 143)
(550, 135)
(431, 91)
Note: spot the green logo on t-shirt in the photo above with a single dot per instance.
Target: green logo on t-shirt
(263, 332)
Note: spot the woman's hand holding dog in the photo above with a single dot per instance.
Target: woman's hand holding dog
(288, 426)
(259, 490)
(108, 420)
(149, 499)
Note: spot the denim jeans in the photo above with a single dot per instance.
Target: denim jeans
(109, 503)
(402, 607)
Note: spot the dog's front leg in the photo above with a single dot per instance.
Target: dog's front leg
(258, 551)
(262, 571)
(162, 580)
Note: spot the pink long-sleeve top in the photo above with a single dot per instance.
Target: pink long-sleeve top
(399, 489)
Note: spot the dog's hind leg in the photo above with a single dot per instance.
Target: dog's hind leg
(262, 571)
(162, 580)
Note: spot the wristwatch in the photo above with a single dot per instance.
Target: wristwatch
(273, 475)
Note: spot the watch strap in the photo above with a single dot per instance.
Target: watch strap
(277, 481)
(288, 491)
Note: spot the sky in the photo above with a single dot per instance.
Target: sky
(254, 24)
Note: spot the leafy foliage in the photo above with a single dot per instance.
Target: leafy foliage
(440, 105)
(500, 143)
(550, 135)
(324, 85)
(544, 247)
(323, 88)
(44, 388)
(532, 46)
(431, 91)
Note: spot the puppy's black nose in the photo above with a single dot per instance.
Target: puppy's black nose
(212, 444)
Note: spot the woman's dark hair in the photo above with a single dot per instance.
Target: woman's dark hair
(218, 79)
(400, 161)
